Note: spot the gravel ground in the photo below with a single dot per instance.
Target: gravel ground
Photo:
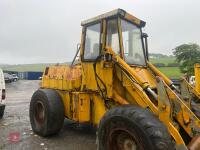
(15, 129)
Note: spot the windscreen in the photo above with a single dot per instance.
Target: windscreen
(112, 39)
(132, 42)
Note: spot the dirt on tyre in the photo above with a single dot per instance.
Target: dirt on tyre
(133, 128)
(46, 112)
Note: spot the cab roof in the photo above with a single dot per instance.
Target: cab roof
(115, 13)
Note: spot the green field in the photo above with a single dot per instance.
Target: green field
(171, 72)
(24, 68)
(165, 61)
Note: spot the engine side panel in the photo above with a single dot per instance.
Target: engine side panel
(62, 77)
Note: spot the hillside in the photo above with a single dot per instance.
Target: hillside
(171, 72)
(26, 67)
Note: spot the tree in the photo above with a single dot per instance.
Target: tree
(187, 55)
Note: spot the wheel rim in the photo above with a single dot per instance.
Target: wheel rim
(39, 114)
(122, 139)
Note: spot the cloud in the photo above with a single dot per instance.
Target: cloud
(33, 31)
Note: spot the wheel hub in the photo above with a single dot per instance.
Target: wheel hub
(129, 145)
(126, 142)
(123, 140)
(39, 112)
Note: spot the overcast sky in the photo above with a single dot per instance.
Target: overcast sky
(38, 31)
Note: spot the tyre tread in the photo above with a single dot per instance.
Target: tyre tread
(152, 126)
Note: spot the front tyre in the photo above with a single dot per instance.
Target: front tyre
(46, 112)
(132, 128)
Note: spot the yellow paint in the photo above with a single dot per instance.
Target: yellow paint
(119, 99)
(66, 101)
(133, 19)
(197, 77)
(62, 77)
(98, 109)
(88, 80)
(81, 107)
(145, 75)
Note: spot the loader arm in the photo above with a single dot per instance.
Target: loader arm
(170, 108)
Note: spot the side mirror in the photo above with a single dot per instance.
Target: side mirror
(145, 41)
(144, 35)
(77, 52)
(78, 46)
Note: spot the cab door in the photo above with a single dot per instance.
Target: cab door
(97, 73)
(91, 49)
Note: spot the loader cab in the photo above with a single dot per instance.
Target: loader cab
(118, 30)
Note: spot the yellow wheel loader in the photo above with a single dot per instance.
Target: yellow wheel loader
(113, 86)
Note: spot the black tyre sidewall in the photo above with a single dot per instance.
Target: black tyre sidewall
(39, 96)
(54, 112)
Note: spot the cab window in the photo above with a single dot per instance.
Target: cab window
(92, 42)
(132, 42)
(112, 39)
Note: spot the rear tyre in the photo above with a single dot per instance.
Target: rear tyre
(46, 112)
(133, 128)
(2, 108)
